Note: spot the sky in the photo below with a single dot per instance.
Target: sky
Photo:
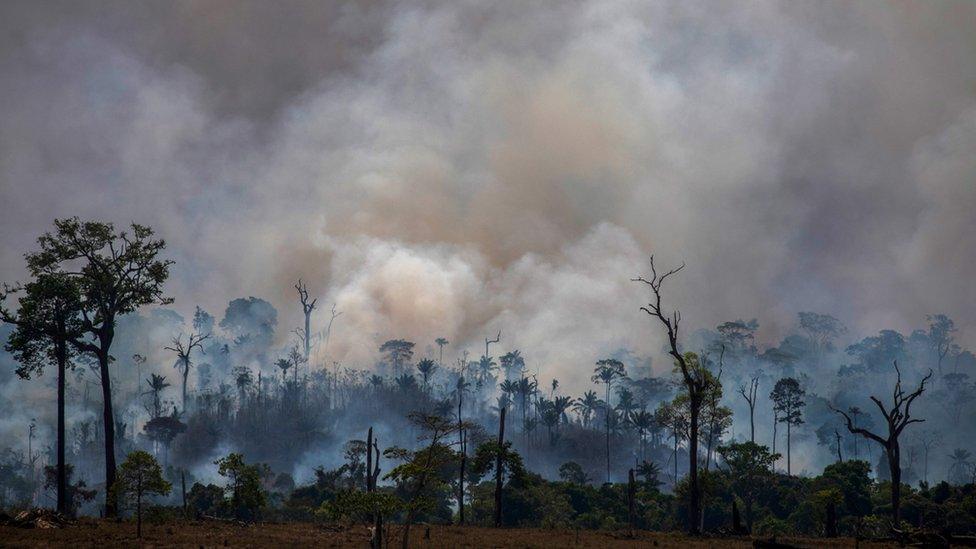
(452, 169)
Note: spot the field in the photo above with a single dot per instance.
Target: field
(100, 533)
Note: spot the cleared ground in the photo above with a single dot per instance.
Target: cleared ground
(100, 533)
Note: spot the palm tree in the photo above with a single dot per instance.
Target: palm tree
(586, 406)
(960, 462)
(606, 372)
(376, 381)
(561, 404)
(486, 365)
(284, 364)
(512, 363)
(643, 421)
(426, 367)
(406, 382)
(526, 389)
(549, 415)
(509, 388)
(243, 380)
(441, 342)
(156, 385)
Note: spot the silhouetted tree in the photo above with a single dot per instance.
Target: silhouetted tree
(183, 352)
(139, 476)
(606, 372)
(116, 272)
(897, 417)
(787, 397)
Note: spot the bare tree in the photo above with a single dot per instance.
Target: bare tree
(183, 352)
(307, 308)
(898, 416)
(490, 341)
(694, 380)
(751, 395)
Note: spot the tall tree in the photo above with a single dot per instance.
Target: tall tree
(941, 328)
(750, 395)
(441, 343)
(426, 367)
(307, 307)
(692, 377)
(47, 328)
(787, 397)
(897, 416)
(397, 351)
(183, 352)
(606, 372)
(116, 273)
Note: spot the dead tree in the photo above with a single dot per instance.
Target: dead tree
(307, 308)
(750, 395)
(183, 355)
(490, 341)
(898, 416)
(695, 381)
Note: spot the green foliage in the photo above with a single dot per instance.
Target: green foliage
(247, 496)
(573, 473)
(138, 476)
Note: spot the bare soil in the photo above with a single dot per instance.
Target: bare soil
(103, 533)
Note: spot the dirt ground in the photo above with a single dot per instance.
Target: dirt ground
(100, 533)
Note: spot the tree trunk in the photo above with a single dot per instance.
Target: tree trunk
(694, 504)
(788, 471)
(894, 466)
(62, 467)
(498, 469)
(752, 423)
(139, 516)
(186, 374)
(631, 494)
(108, 418)
(607, 414)
(183, 491)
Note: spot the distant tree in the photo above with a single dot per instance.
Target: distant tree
(305, 334)
(426, 367)
(606, 372)
(156, 385)
(486, 366)
(398, 352)
(941, 328)
(787, 397)
(573, 473)
(183, 352)
(283, 364)
(749, 467)
(960, 462)
(586, 406)
(750, 395)
(512, 364)
(821, 329)
(116, 272)
(75, 493)
(140, 475)
(897, 417)
(643, 421)
(441, 343)
(739, 335)
(47, 327)
(243, 380)
(163, 429)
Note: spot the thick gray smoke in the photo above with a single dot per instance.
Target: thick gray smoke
(458, 168)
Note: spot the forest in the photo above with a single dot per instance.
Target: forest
(152, 416)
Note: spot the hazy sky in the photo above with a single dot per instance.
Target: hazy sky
(455, 168)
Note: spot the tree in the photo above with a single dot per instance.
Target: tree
(586, 406)
(606, 372)
(441, 343)
(750, 396)
(787, 397)
(397, 352)
(183, 352)
(821, 329)
(941, 328)
(739, 335)
(897, 417)
(116, 273)
(749, 467)
(307, 307)
(573, 473)
(419, 472)
(140, 475)
(693, 379)
(959, 464)
(512, 363)
(283, 364)
(156, 385)
(426, 367)
(47, 326)
(244, 484)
